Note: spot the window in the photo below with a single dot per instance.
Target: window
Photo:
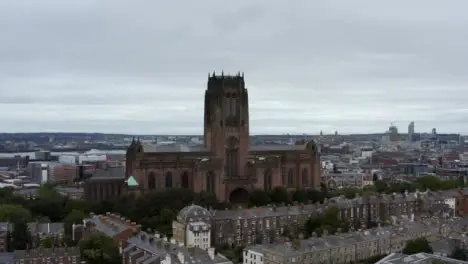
(290, 177)
(284, 175)
(168, 179)
(305, 177)
(152, 181)
(185, 180)
(210, 182)
(267, 181)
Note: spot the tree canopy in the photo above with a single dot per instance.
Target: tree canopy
(19, 237)
(419, 245)
(14, 213)
(460, 254)
(97, 248)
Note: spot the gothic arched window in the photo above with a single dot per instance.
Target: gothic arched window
(210, 182)
(305, 177)
(185, 179)
(267, 181)
(284, 176)
(290, 177)
(168, 179)
(152, 181)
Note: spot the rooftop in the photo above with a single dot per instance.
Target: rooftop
(111, 224)
(420, 258)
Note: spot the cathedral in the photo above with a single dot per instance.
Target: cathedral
(226, 165)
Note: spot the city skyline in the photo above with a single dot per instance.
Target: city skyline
(124, 67)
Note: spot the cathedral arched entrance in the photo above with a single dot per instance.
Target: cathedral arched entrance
(239, 196)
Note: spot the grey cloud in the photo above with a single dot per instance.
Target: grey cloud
(141, 67)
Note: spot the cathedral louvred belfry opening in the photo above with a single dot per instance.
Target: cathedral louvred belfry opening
(226, 165)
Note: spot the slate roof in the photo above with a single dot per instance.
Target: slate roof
(46, 228)
(160, 249)
(176, 148)
(111, 173)
(108, 226)
(173, 148)
(420, 258)
(260, 212)
(7, 258)
(47, 252)
(273, 147)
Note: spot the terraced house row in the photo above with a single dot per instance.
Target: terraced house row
(357, 246)
(147, 247)
(265, 224)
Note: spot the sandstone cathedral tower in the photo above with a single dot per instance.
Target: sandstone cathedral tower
(226, 165)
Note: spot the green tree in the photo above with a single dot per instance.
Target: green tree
(328, 220)
(375, 177)
(20, 236)
(165, 221)
(350, 193)
(419, 245)
(324, 188)
(312, 224)
(315, 196)
(42, 219)
(14, 213)
(380, 186)
(330, 215)
(459, 254)
(280, 195)
(259, 198)
(97, 248)
(80, 205)
(74, 217)
(208, 200)
(300, 196)
(47, 242)
(259, 239)
(434, 183)
(7, 196)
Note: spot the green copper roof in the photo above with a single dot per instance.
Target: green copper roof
(132, 182)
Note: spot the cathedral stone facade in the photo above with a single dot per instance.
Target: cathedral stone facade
(226, 165)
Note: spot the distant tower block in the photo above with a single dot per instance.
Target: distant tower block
(411, 131)
(393, 133)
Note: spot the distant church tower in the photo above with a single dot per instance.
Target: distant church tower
(226, 124)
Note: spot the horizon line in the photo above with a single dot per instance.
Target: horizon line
(252, 134)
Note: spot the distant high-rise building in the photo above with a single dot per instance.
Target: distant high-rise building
(434, 132)
(393, 133)
(411, 131)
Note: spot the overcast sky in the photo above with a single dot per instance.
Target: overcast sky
(141, 66)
